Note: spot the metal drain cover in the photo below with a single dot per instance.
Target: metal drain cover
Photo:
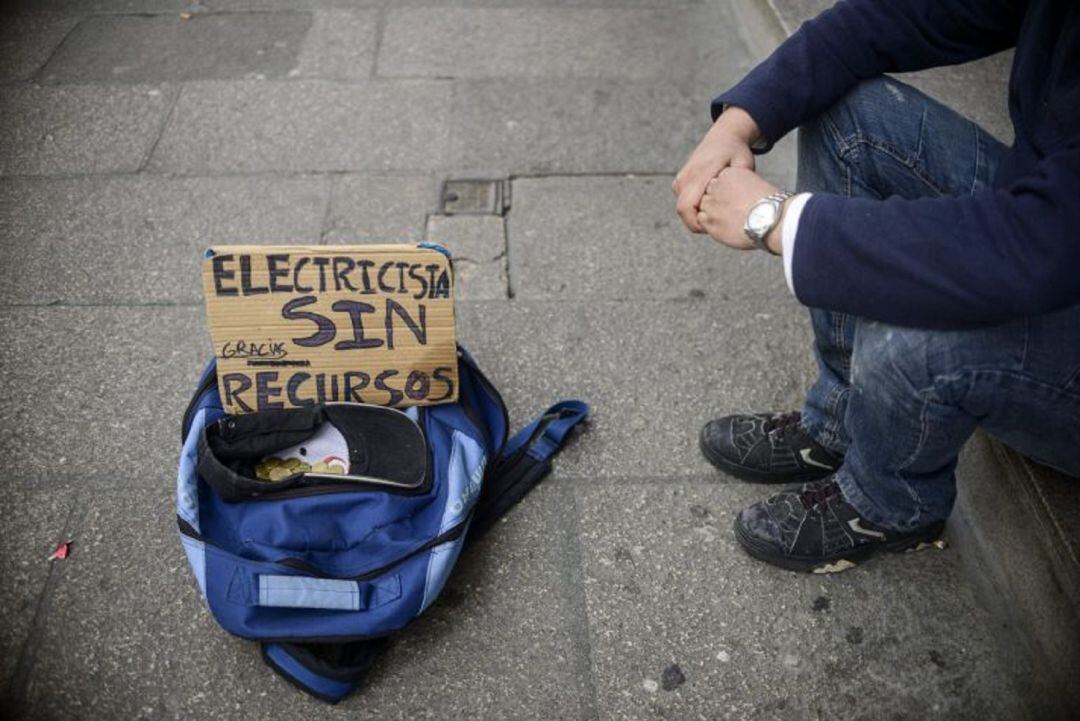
(475, 197)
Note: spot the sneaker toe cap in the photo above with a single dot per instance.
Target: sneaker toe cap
(758, 523)
(718, 435)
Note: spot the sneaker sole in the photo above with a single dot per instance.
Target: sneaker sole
(930, 537)
(743, 473)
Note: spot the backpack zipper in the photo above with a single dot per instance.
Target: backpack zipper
(298, 565)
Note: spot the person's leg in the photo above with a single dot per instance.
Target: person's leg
(884, 138)
(910, 398)
(918, 395)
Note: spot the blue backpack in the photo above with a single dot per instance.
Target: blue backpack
(320, 568)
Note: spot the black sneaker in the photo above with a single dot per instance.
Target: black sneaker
(766, 448)
(815, 530)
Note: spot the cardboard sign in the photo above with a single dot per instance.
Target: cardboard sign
(298, 325)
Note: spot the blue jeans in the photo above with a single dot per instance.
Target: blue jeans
(899, 403)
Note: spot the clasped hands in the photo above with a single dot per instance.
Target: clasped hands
(717, 186)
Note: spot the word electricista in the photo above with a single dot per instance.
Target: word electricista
(286, 273)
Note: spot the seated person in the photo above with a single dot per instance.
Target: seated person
(941, 268)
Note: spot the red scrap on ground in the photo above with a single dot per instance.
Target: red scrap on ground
(61, 552)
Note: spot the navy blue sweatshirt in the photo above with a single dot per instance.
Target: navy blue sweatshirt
(1008, 252)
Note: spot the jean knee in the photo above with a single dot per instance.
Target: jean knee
(839, 151)
(890, 362)
(875, 108)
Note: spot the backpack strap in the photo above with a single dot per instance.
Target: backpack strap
(327, 671)
(332, 671)
(524, 462)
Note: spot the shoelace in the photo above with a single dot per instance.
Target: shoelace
(818, 495)
(784, 425)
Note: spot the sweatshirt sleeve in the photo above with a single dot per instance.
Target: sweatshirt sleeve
(949, 262)
(859, 39)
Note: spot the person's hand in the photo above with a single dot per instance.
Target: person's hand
(727, 144)
(726, 203)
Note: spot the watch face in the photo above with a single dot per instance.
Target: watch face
(762, 216)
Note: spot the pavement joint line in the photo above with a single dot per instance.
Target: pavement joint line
(20, 677)
(35, 77)
(694, 479)
(505, 255)
(324, 225)
(277, 80)
(476, 301)
(314, 173)
(62, 304)
(587, 174)
(238, 175)
(162, 127)
(380, 30)
(572, 576)
(173, 13)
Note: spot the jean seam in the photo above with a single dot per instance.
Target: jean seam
(1027, 341)
(891, 151)
(923, 428)
(839, 147)
(919, 136)
(978, 160)
(1071, 395)
(832, 426)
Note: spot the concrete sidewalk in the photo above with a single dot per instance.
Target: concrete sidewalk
(130, 139)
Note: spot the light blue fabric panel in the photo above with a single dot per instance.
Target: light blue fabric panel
(304, 592)
(440, 563)
(196, 554)
(187, 482)
(465, 476)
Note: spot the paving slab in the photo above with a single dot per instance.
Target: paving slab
(27, 40)
(379, 208)
(160, 48)
(478, 246)
(543, 127)
(667, 585)
(78, 129)
(631, 44)
(500, 643)
(654, 371)
(139, 239)
(94, 395)
(339, 45)
(34, 524)
(619, 238)
(221, 127)
(175, 7)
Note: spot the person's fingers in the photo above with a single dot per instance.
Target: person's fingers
(688, 210)
(743, 158)
(689, 202)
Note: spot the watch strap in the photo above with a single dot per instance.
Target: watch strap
(779, 197)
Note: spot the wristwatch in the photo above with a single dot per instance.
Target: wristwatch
(763, 217)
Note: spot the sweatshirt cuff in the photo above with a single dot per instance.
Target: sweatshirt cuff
(787, 236)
